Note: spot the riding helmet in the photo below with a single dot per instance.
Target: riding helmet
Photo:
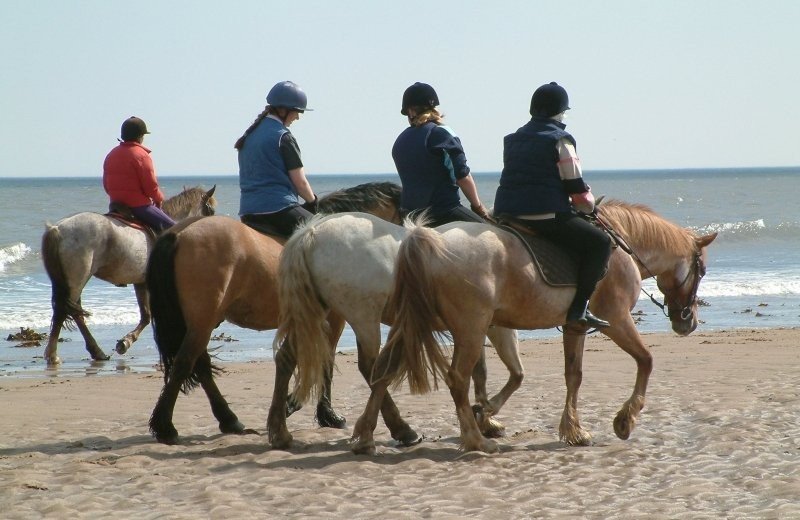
(549, 100)
(419, 95)
(287, 94)
(132, 129)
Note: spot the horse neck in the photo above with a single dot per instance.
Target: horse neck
(658, 245)
(183, 205)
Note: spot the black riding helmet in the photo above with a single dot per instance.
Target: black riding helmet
(132, 129)
(419, 95)
(549, 100)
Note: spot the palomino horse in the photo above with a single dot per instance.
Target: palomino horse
(90, 244)
(469, 277)
(342, 264)
(203, 272)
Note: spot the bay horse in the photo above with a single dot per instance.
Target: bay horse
(91, 244)
(213, 269)
(342, 264)
(464, 279)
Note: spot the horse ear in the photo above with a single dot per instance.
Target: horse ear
(704, 240)
(210, 192)
(599, 200)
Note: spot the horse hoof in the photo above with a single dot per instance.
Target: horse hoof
(328, 418)
(623, 427)
(122, 346)
(53, 362)
(408, 438)
(490, 427)
(99, 355)
(234, 427)
(281, 442)
(363, 448)
(169, 440)
(292, 406)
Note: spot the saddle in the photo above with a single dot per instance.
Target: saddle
(123, 213)
(556, 266)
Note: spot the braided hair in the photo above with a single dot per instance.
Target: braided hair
(281, 112)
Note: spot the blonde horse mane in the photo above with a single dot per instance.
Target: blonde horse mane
(185, 202)
(639, 224)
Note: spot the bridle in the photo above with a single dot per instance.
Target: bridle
(684, 312)
(697, 268)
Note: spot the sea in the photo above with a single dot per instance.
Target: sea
(752, 281)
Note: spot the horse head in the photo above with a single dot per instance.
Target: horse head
(209, 202)
(680, 286)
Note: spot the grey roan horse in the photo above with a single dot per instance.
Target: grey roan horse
(90, 244)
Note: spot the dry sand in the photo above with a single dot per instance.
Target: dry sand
(718, 438)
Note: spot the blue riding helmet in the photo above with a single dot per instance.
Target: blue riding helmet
(287, 94)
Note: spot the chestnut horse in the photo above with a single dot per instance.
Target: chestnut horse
(205, 271)
(90, 244)
(467, 278)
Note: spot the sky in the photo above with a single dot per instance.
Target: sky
(652, 84)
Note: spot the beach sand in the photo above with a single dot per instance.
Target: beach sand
(719, 438)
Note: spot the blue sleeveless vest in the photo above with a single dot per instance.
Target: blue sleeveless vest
(428, 179)
(530, 183)
(263, 179)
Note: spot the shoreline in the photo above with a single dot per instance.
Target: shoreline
(719, 436)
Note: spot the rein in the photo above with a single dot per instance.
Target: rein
(697, 268)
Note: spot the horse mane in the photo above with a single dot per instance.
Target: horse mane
(640, 224)
(363, 198)
(185, 201)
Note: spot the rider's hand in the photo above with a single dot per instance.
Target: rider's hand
(311, 206)
(480, 210)
(583, 202)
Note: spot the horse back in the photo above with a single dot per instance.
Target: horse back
(225, 270)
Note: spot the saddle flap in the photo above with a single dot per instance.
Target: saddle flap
(556, 266)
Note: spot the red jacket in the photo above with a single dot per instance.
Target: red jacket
(129, 176)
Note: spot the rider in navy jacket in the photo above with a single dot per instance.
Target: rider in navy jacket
(542, 185)
(431, 163)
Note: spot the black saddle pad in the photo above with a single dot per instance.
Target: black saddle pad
(557, 267)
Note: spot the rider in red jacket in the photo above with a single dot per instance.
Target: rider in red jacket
(129, 177)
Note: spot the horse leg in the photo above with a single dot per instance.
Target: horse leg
(570, 430)
(624, 334)
(228, 422)
(161, 425)
(91, 344)
(277, 432)
(144, 319)
(507, 347)
(368, 339)
(386, 365)
(51, 351)
(466, 353)
(326, 416)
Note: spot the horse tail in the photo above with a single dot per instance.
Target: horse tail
(169, 325)
(414, 307)
(64, 308)
(303, 323)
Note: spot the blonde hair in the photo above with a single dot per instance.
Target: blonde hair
(426, 115)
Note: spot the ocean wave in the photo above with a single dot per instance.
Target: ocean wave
(12, 254)
(741, 231)
(741, 284)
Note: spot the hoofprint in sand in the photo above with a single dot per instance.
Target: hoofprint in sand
(719, 437)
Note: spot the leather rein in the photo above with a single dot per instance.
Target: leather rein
(698, 269)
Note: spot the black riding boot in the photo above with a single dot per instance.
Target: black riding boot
(579, 315)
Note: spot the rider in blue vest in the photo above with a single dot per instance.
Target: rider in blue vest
(431, 163)
(542, 185)
(271, 173)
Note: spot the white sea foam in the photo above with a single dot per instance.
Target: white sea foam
(12, 254)
(742, 284)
